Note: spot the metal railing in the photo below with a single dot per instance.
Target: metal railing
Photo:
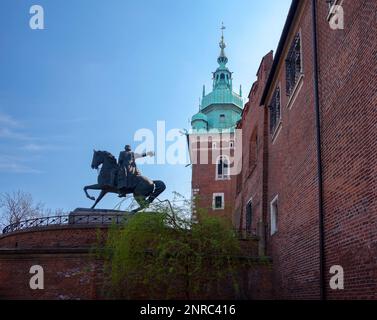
(77, 219)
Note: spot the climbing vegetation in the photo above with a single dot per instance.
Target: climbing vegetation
(167, 255)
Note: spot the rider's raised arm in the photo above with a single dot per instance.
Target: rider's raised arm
(138, 155)
(143, 155)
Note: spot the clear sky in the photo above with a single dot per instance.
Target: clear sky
(102, 70)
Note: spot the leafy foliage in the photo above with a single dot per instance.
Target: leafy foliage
(164, 255)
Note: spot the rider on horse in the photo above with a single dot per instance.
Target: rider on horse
(128, 169)
(123, 178)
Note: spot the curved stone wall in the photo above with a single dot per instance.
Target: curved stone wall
(71, 270)
(69, 236)
(64, 252)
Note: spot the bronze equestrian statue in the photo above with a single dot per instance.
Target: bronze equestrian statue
(123, 178)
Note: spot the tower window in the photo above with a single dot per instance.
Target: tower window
(222, 118)
(293, 65)
(222, 77)
(218, 201)
(222, 168)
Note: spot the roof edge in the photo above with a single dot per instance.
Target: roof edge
(279, 51)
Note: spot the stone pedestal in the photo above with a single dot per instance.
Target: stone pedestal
(97, 216)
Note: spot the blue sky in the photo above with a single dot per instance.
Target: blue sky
(102, 70)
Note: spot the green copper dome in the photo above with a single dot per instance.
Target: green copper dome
(221, 108)
(199, 122)
(199, 116)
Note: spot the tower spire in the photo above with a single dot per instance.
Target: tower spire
(222, 59)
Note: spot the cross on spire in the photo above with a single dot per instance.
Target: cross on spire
(222, 28)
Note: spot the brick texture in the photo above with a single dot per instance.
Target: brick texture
(72, 272)
(347, 87)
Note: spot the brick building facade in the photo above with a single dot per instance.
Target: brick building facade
(307, 186)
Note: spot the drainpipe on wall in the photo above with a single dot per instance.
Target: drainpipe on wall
(319, 155)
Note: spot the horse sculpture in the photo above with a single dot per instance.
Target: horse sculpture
(144, 192)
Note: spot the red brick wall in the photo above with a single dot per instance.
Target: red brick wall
(70, 270)
(204, 180)
(68, 236)
(348, 93)
(348, 100)
(292, 176)
(250, 183)
(66, 275)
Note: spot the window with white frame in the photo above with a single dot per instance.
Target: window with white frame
(218, 201)
(222, 168)
(274, 211)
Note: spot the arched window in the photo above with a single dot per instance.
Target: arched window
(222, 168)
(222, 77)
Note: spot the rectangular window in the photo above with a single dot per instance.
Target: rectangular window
(293, 66)
(249, 216)
(222, 118)
(275, 111)
(274, 215)
(218, 201)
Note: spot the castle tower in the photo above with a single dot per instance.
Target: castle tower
(212, 142)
